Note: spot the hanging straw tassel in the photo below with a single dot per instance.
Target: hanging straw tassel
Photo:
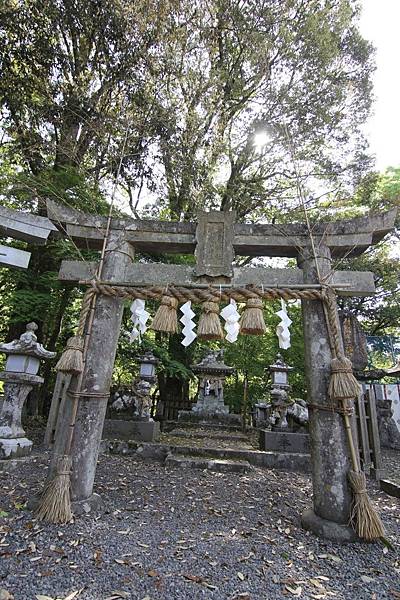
(343, 388)
(55, 502)
(71, 360)
(166, 318)
(364, 517)
(252, 321)
(209, 327)
(343, 384)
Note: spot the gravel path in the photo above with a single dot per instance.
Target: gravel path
(175, 534)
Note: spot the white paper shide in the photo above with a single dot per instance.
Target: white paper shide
(139, 318)
(282, 330)
(231, 317)
(188, 324)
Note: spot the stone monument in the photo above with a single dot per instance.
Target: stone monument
(20, 376)
(282, 438)
(132, 417)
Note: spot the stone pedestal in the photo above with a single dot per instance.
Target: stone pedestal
(332, 496)
(13, 443)
(142, 430)
(284, 441)
(210, 405)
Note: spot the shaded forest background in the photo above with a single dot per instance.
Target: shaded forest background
(224, 104)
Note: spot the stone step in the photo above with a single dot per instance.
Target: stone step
(282, 461)
(215, 465)
(167, 426)
(215, 435)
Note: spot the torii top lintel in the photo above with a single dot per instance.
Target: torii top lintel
(344, 238)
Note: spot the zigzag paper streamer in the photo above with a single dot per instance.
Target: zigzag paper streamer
(188, 323)
(282, 330)
(231, 316)
(139, 319)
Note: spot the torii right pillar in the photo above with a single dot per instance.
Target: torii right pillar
(332, 498)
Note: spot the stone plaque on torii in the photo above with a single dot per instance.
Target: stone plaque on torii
(215, 241)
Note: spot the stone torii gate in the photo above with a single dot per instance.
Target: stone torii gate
(215, 240)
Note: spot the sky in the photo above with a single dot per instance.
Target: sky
(379, 23)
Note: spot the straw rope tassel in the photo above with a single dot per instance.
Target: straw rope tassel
(343, 389)
(252, 320)
(209, 327)
(166, 317)
(55, 502)
(71, 360)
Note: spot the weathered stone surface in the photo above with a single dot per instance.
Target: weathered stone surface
(329, 451)
(11, 448)
(217, 466)
(14, 257)
(13, 443)
(96, 379)
(284, 442)
(299, 463)
(143, 431)
(357, 283)
(187, 416)
(390, 487)
(328, 530)
(24, 226)
(345, 238)
(214, 249)
(354, 341)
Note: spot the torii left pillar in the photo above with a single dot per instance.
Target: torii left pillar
(96, 380)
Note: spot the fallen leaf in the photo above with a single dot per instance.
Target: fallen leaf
(241, 576)
(295, 591)
(366, 579)
(195, 578)
(41, 597)
(153, 573)
(72, 595)
(117, 594)
(317, 584)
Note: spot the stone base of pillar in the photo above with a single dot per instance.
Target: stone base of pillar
(15, 448)
(329, 530)
(79, 507)
(92, 504)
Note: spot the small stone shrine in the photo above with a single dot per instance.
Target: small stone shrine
(20, 376)
(211, 372)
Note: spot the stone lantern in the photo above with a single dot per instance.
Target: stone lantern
(279, 373)
(279, 392)
(20, 376)
(148, 363)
